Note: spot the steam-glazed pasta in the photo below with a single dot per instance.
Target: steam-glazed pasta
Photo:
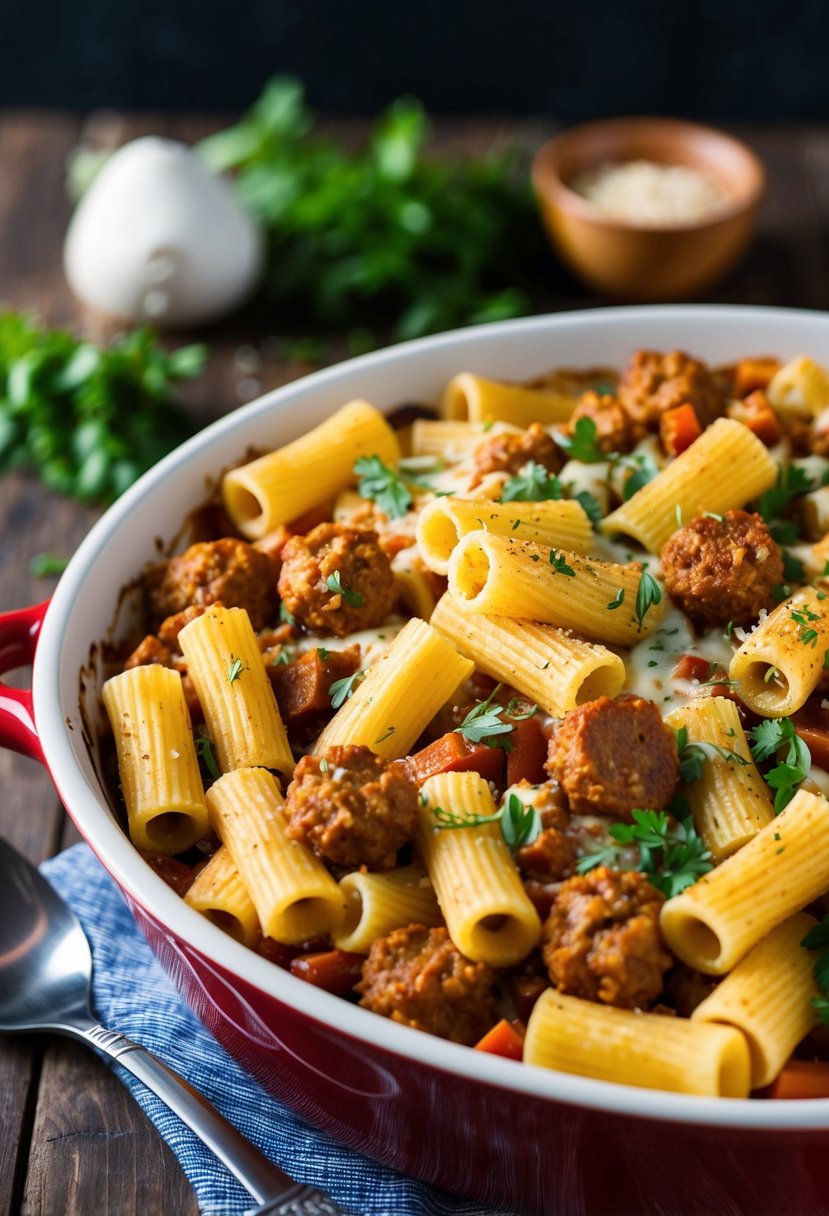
(516, 714)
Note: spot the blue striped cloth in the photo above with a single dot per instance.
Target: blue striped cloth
(132, 994)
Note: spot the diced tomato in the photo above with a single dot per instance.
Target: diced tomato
(757, 414)
(693, 667)
(529, 751)
(336, 971)
(452, 753)
(801, 1079)
(678, 428)
(505, 1039)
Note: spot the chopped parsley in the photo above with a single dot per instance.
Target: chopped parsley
(803, 617)
(206, 756)
(693, 755)
(673, 856)
(559, 564)
(769, 738)
(793, 569)
(642, 469)
(341, 690)
(617, 601)
(235, 669)
(533, 484)
(791, 482)
(818, 939)
(581, 443)
(520, 824)
(285, 616)
(334, 583)
(383, 486)
(648, 594)
(590, 505)
(324, 655)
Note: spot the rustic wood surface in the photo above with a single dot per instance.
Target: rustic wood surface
(71, 1141)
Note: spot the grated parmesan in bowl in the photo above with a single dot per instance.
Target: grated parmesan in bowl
(651, 194)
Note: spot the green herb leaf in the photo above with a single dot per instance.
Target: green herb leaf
(673, 857)
(520, 824)
(617, 601)
(235, 669)
(648, 594)
(449, 820)
(381, 484)
(791, 482)
(341, 690)
(334, 583)
(559, 564)
(581, 443)
(533, 484)
(770, 738)
(692, 756)
(590, 505)
(484, 724)
(206, 756)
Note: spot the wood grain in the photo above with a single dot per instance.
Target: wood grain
(71, 1140)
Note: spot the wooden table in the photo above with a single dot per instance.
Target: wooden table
(71, 1140)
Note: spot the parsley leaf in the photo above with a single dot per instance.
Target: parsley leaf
(590, 505)
(768, 739)
(383, 486)
(559, 564)
(643, 468)
(672, 855)
(648, 594)
(533, 484)
(693, 755)
(341, 690)
(520, 824)
(334, 583)
(483, 724)
(581, 443)
(790, 483)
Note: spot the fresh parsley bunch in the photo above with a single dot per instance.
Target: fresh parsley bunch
(379, 235)
(88, 420)
(670, 852)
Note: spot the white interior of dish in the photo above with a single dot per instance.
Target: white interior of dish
(117, 548)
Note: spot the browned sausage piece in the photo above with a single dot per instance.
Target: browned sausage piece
(552, 855)
(417, 977)
(333, 556)
(227, 571)
(601, 940)
(302, 687)
(652, 383)
(508, 453)
(723, 569)
(352, 807)
(615, 429)
(612, 756)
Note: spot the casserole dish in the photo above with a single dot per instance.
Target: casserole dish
(508, 1135)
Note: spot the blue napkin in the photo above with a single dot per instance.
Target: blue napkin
(132, 994)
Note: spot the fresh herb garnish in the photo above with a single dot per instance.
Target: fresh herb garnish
(617, 601)
(381, 484)
(590, 505)
(285, 616)
(581, 443)
(559, 564)
(341, 690)
(387, 734)
(334, 583)
(648, 594)
(206, 756)
(449, 820)
(44, 564)
(237, 666)
(484, 724)
(520, 824)
(379, 237)
(324, 655)
(768, 738)
(533, 484)
(818, 939)
(693, 755)
(643, 468)
(89, 420)
(802, 617)
(791, 482)
(673, 856)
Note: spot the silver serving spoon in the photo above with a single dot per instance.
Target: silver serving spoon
(45, 977)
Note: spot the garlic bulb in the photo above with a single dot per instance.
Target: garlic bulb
(158, 238)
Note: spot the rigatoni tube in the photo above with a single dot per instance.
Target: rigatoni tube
(157, 764)
(480, 400)
(295, 897)
(648, 1050)
(376, 903)
(220, 895)
(226, 666)
(597, 599)
(781, 661)
(282, 485)
(487, 911)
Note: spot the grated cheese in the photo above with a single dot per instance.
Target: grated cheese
(651, 194)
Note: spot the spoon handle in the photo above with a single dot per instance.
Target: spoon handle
(276, 1192)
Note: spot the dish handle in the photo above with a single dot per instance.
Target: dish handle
(19, 632)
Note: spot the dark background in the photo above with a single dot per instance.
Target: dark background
(716, 59)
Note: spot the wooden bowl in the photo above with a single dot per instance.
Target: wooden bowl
(641, 261)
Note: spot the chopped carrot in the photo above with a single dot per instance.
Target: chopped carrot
(505, 1039)
(751, 374)
(692, 667)
(758, 415)
(816, 739)
(452, 753)
(801, 1079)
(678, 428)
(529, 751)
(336, 971)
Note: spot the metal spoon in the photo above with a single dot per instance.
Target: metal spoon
(45, 977)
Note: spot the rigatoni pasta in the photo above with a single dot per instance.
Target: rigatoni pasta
(219, 894)
(480, 400)
(781, 661)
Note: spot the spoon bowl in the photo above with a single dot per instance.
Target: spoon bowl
(46, 983)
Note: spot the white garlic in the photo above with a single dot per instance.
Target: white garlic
(158, 238)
